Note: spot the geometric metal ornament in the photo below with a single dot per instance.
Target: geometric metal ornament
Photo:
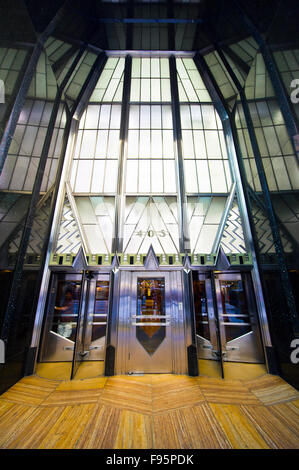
(151, 262)
(69, 239)
(222, 262)
(80, 262)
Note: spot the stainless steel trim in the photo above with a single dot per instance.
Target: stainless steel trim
(77, 217)
(150, 324)
(150, 317)
(221, 226)
(55, 227)
(139, 53)
(170, 356)
(233, 161)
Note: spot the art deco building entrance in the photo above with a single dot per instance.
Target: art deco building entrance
(150, 315)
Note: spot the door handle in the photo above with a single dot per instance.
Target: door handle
(150, 324)
(84, 353)
(151, 317)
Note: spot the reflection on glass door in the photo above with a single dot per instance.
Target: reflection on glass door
(76, 318)
(234, 309)
(62, 318)
(227, 328)
(96, 323)
(207, 325)
(239, 328)
(150, 330)
(66, 309)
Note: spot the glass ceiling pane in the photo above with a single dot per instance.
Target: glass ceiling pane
(110, 84)
(150, 80)
(190, 84)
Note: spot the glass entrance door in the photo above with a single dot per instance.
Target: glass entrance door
(150, 335)
(240, 337)
(226, 320)
(76, 320)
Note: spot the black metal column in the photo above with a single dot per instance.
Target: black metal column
(285, 281)
(274, 75)
(77, 108)
(231, 139)
(190, 321)
(24, 87)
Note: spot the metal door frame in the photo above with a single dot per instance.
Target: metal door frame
(77, 349)
(252, 339)
(126, 293)
(49, 313)
(214, 309)
(79, 352)
(88, 320)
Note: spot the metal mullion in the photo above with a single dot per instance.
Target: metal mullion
(191, 217)
(221, 227)
(269, 157)
(218, 330)
(109, 84)
(139, 129)
(182, 83)
(123, 135)
(21, 143)
(222, 158)
(18, 83)
(29, 157)
(205, 216)
(208, 158)
(35, 139)
(281, 149)
(177, 134)
(195, 157)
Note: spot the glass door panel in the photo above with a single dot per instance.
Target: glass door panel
(150, 319)
(207, 326)
(96, 324)
(150, 330)
(240, 336)
(62, 318)
(235, 316)
(79, 351)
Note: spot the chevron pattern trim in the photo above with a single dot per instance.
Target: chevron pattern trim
(232, 239)
(69, 239)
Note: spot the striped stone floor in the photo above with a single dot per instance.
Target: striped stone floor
(151, 411)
